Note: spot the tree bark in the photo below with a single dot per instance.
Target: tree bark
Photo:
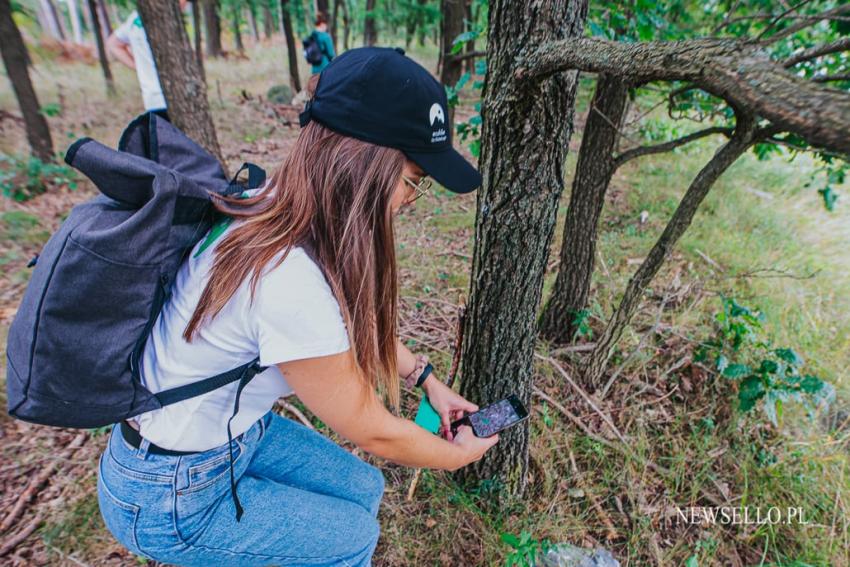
(268, 22)
(15, 57)
(593, 173)
(525, 139)
(105, 22)
(742, 138)
(213, 28)
(237, 29)
(286, 18)
(370, 30)
(179, 75)
(333, 24)
(52, 20)
(196, 32)
(59, 18)
(252, 19)
(346, 25)
(101, 48)
(451, 26)
(738, 71)
(74, 13)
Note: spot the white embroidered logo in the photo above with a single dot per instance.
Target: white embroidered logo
(435, 115)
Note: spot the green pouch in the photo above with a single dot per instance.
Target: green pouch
(426, 417)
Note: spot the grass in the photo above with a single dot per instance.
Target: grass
(760, 236)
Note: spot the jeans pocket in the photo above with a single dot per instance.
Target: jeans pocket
(213, 469)
(120, 517)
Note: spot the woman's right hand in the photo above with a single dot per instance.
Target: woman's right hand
(472, 448)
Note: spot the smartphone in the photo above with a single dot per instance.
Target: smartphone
(494, 418)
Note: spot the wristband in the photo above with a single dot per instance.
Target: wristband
(424, 375)
(411, 379)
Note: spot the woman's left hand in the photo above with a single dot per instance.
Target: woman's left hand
(446, 402)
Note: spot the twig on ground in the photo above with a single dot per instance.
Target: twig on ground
(584, 395)
(15, 540)
(296, 412)
(39, 481)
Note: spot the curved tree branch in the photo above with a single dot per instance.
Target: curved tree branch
(740, 72)
(633, 153)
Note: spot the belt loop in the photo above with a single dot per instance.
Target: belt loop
(142, 452)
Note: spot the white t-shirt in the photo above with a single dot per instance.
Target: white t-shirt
(132, 33)
(294, 315)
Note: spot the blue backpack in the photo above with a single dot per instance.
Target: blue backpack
(74, 347)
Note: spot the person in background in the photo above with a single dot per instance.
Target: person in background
(129, 45)
(326, 44)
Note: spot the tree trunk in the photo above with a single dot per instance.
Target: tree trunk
(179, 75)
(333, 26)
(268, 22)
(14, 54)
(286, 18)
(737, 145)
(323, 7)
(105, 22)
(593, 173)
(52, 19)
(252, 18)
(74, 12)
(101, 48)
(451, 26)
(87, 21)
(525, 139)
(370, 31)
(346, 25)
(213, 26)
(196, 32)
(470, 45)
(237, 32)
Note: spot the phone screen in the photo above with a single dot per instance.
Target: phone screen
(492, 419)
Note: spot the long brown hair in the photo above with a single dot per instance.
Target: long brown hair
(333, 194)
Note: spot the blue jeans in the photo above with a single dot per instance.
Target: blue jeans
(307, 500)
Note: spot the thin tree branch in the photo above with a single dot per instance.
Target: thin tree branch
(464, 56)
(831, 78)
(807, 21)
(780, 16)
(837, 46)
(633, 153)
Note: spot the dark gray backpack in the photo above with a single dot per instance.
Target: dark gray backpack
(74, 347)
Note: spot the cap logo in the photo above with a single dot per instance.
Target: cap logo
(436, 115)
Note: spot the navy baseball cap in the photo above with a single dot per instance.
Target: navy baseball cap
(379, 95)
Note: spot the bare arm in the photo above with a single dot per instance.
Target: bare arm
(332, 388)
(121, 51)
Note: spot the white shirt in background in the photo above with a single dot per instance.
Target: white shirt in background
(133, 34)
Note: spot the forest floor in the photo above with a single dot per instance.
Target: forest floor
(761, 237)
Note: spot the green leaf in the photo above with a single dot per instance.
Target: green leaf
(510, 539)
(457, 44)
(789, 356)
(692, 561)
(811, 384)
(721, 363)
(751, 390)
(736, 370)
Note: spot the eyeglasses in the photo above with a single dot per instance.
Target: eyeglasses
(421, 188)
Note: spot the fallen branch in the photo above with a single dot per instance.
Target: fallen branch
(19, 537)
(296, 412)
(35, 485)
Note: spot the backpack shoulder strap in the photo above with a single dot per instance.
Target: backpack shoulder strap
(245, 372)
